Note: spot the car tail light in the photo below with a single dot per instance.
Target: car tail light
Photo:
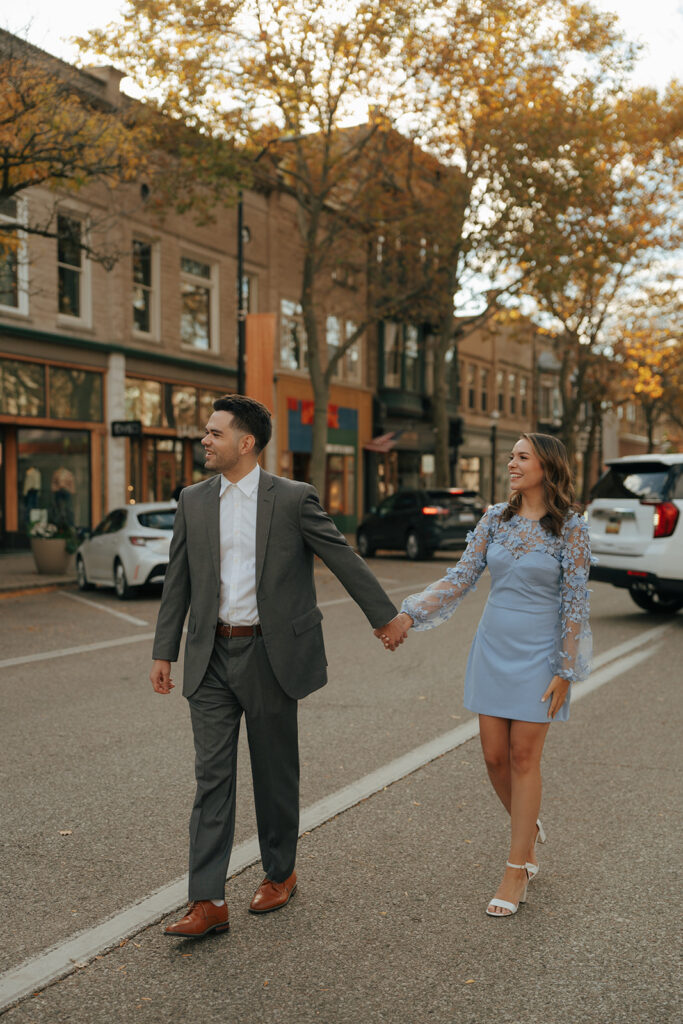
(434, 510)
(141, 541)
(665, 517)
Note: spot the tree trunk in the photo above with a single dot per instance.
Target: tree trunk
(589, 452)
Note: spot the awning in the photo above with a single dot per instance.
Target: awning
(383, 442)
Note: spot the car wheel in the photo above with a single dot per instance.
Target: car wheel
(414, 547)
(365, 548)
(654, 602)
(81, 576)
(123, 591)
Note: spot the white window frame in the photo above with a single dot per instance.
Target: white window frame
(22, 307)
(84, 319)
(211, 283)
(354, 375)
(154, 333)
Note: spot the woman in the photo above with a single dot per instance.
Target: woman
(533, 640)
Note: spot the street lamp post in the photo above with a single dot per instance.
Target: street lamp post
(241, 311)
(495, 416)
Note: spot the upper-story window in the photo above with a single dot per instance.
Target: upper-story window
(471, 387)
(402, 359)
(13, 263)
(512, 393)
(72, 267)
(500, 391)
(144, 287)
(484, 377)
(523, 396)
(337, 333)
(198, 303)
(292, 336)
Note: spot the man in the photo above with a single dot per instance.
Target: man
(241, 560)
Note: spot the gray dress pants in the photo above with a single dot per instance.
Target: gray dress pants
(239, 679)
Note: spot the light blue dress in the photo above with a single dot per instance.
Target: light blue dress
(536, 620)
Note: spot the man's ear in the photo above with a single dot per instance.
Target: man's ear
(247, 443)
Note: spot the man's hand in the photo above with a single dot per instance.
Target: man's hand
(395, 632)
(160, 676)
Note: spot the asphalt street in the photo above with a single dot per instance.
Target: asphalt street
(388, 923)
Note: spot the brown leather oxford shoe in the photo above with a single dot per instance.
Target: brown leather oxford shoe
(202, 917)
(273, 895)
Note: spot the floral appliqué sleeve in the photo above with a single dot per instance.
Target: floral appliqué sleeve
(573, 660)
(436, 604)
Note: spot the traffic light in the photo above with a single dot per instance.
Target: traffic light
(455, 432)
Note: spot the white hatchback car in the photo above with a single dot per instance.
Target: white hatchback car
(635, 519)
(128, 549)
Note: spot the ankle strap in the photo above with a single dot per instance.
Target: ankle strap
(515, 865)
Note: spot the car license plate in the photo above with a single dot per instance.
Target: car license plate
(467, 517)
(613, 526)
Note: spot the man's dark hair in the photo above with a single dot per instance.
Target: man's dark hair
(249, 416)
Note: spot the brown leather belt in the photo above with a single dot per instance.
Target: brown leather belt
(226, 630)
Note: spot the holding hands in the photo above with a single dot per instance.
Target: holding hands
(395, 632)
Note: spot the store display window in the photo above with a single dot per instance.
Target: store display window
(54, 477)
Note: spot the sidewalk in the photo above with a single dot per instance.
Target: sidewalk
(18, 573)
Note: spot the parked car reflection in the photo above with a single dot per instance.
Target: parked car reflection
(128, 549)
(420, 522)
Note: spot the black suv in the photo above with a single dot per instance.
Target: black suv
(420, 522)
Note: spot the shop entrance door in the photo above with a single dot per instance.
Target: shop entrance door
(167, 477)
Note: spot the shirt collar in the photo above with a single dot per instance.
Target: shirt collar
(247, 485)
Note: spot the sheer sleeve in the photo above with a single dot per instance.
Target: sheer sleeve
(573, 660)
(436, 604)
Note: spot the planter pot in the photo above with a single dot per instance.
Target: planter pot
(50, 555)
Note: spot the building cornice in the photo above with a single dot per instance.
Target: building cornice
(30, 334)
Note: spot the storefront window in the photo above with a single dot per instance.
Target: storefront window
(164, 467)
(206, 400)
(54, 477)
(22, 388)
(75, 394)
(184, 407)
(143, 401)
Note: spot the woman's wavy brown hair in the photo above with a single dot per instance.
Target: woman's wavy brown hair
(558, 490)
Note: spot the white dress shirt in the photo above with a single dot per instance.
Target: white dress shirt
(237, 505)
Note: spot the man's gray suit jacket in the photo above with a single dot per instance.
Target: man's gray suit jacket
(291, 527)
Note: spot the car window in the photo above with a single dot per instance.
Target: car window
(678, 486)
(647, 481)
(405, 502)
(101, 528)
(157, 520)
(387, 505)
(117, 520)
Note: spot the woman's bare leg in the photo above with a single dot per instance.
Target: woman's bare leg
(494, 734)
(526, 748)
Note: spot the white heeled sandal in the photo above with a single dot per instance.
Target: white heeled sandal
(505, 904)
(533, 869)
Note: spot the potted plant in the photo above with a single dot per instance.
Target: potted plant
(52, 545)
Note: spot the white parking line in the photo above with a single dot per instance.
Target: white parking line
(104, 608)
(63, 958)
(63, 652)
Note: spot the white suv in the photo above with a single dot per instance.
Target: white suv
(635, 518)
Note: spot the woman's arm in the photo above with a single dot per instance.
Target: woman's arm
(437, 603)
(574, 656)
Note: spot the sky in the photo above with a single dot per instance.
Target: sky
(656, 23)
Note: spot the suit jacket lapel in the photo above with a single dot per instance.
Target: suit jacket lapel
(264, 513)
(212, 513)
